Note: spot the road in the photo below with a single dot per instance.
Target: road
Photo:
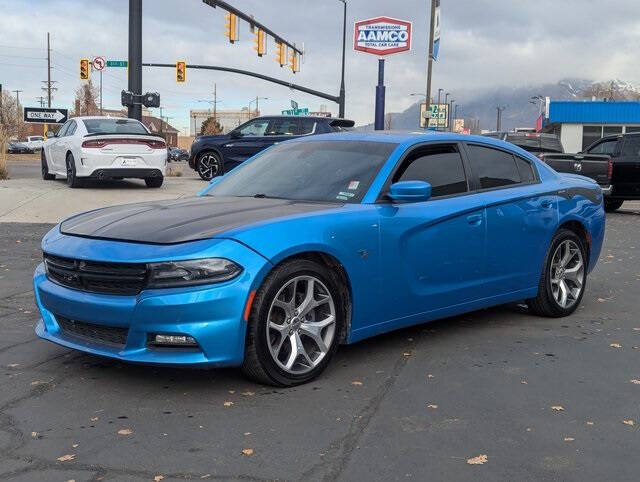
(542, 399)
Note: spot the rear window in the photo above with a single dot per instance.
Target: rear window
(114, 126)
(536, 143)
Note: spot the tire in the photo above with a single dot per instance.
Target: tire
(572, 273)
(45, 168)
(154, 181)
(275, 325)
(611, 205)
(72, 180)
(209, 165)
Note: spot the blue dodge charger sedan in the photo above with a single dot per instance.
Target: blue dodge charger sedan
(319, 241)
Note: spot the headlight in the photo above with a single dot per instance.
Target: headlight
(193, 272)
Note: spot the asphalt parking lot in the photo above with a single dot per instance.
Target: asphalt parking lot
(542, 399)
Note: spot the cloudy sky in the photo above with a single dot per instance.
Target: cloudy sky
(484, 43)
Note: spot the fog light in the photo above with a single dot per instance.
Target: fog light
(178, 340)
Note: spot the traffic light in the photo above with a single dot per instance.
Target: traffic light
(85, 70)
(181, 71)
(281, 54)
(293, 61)
(231, 27)
(260, 45)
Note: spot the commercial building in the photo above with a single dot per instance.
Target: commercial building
(580, 123)
(228, 119)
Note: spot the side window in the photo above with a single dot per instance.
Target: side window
(631, 146)
(440, 166)
(494, 168)
(63, 130)
(525, 169)
(605, 147)
(72, 129)
(307, 126)
(283, 127)
(256, 128)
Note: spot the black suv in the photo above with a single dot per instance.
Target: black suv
(212, 156)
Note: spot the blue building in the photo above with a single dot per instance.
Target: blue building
(578, 123)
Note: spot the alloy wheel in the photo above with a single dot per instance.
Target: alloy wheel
(567, 273)
(209, 166)
(301, 324)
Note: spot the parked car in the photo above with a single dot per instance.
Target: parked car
(212, 156)
(35, 143)
(17, 147)
(176, 154)
(613, 161)
(104, 148)
(319, 241)
(534, 142)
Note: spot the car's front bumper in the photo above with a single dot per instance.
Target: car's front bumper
(211, 314)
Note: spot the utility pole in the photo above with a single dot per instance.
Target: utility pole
(48, 70)
(499, 109)
(430, 63)
(257, 106)
(18, 100)
(135, 57)
(215, 101)
(451, 119)
(40, 99)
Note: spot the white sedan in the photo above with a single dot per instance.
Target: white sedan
(104, 148)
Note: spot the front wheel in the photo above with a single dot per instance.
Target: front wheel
(611, 205)
(564, 277)
(154, 181)
(209, 165)
(294, 326)
(45, 168)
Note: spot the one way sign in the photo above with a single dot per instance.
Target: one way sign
(42, 115)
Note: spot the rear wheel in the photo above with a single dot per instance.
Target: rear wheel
(72, 179)
(611, 205)
(154, 181)
(294, 326)
(209, 165)
(564, 277)
(45, 167)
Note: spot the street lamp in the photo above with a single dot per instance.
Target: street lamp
(440, 91)
(344, 48)
(450, 112)
(256, 100)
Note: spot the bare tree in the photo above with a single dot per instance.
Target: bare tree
(11, 117)
(86, 100)
(211, 127)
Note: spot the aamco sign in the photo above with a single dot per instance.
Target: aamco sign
(382, 36)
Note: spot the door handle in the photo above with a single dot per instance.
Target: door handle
(546, 204)
(474, 219)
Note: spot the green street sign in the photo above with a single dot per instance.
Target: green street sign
(304, 111)
(117, 63)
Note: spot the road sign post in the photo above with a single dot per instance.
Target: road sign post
(42, 114)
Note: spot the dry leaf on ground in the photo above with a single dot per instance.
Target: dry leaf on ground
(589, 423)
(629, 422)
(635, 382)
(569, 439)
(431, 405)
(479, 460)
(125, 431)
(158, 478)
(34, 434)
(615, 345)
(247, 452)
(228, 404)
(558, 408)
(66, 458)
(248, 393)
(524, 382)
(356, 383)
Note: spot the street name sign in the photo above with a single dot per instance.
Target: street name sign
(382, 36)
(303, 111)
(117, 63)
(43, 115)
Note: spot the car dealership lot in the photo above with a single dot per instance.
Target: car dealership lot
(414, 404)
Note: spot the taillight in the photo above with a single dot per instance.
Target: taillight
(100, 143)
(610, 170)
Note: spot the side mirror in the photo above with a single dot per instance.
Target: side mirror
(50, 134)
(410, 191)
(235, 134)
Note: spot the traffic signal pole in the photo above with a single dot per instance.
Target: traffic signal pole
(135, 57)
(380, 91)
(430, 64)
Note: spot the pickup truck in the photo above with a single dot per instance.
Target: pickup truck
(613, 162)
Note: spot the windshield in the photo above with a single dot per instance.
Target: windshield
(114, 126)
(326, 171)
(536, 143)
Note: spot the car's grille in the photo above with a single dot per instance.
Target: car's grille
(98, 333)
(96, 277)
